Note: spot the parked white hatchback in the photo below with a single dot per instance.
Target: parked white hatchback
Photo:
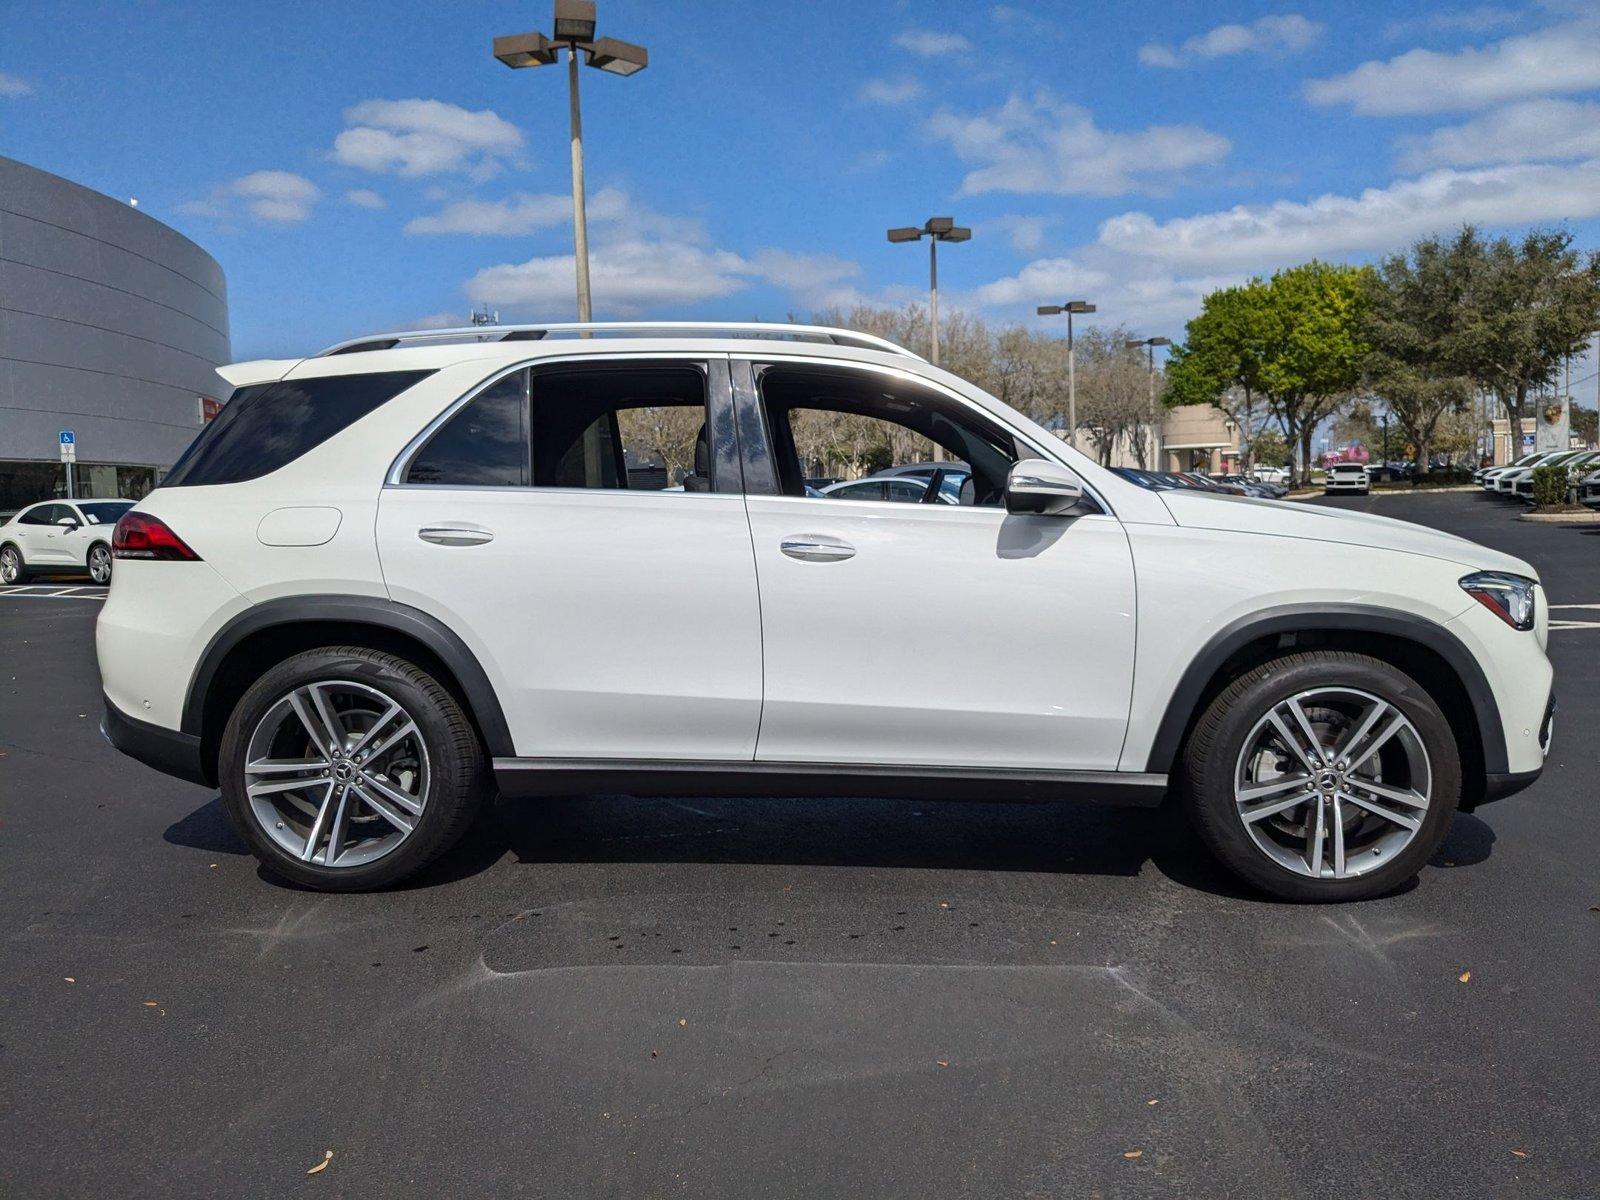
(60, 537)
(394, 576)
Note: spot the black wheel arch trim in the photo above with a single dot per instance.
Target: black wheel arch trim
(1302, 619)
(375, 611)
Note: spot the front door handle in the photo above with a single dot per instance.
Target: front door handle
(454, 535)
(812, 548)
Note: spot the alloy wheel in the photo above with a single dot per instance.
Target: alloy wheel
(10, 565)
(100, 565)
(337, 773)
(1332, 783)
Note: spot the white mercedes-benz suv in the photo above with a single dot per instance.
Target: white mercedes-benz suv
(419, 567)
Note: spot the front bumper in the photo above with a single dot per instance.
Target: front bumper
(166, 750)
(1499, 786)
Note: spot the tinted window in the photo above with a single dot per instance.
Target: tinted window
(483, 445)
(45, 514)
(106, 513)
(267, 426)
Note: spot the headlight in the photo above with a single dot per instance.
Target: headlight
(1509, 597)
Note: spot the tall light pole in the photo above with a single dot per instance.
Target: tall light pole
(1070, 307)
(574, 29)
(937, 229)
(1150, 345)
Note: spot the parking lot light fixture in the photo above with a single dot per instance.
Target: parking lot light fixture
(1071, 307)
(1150, 345)
(574, 20)
(936, 230)
(574, 29)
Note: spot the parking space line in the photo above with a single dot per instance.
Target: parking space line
(60, 593)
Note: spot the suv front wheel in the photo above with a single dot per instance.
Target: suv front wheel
(347, 769)
(1323, 775)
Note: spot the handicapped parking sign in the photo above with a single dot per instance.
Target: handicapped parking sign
(69, 445)
(68, 438)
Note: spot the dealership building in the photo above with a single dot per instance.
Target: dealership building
(111, 327)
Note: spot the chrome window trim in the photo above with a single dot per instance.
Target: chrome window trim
(402, 462)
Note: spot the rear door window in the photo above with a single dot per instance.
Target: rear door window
(268, 426)
(483, 445)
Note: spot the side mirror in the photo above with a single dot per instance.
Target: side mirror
(67, 523)
(1042, 488)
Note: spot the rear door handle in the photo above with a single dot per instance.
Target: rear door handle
(454, 535)
(812, 548)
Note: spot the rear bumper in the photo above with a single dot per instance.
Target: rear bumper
(166, 750)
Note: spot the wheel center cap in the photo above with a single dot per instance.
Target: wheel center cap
(343, 771)
(1327, 780)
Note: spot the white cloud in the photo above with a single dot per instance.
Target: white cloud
(1554, 61)
(1259, 236)
(1043, 281)
(516, 215)
(365, 198)
(1026, 234)
(815, 280)
(1289, 33)
(1043, 144)
(627, 278)
(1485, 18)
(270, 197)
(1545, 130)
(14, 85)
(425, 137)
(640, 265)
(930, 43)
(439, 320)
(528, 212)
(890, 91)
(870, 160)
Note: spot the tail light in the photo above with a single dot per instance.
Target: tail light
(139, 535)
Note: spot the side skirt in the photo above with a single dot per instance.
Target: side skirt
(521, 777)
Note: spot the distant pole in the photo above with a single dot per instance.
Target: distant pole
(580, 214)
(936, 230)
(1150, 345)
(1072, 385)
(1070, 307)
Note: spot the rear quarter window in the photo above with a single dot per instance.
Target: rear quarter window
(269, 425)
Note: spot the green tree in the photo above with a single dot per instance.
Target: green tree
(1296, 340)
(1270, 450)
(1417, 303)
(1221, 359)
(1527, 305)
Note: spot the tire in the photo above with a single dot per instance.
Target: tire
(1234, 751)
(439, 769)
(99, 562)
(12, 568)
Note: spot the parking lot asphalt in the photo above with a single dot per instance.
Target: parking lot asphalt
(625, 997)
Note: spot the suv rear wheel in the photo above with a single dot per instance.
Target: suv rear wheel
(1322, 776)
(347, 769)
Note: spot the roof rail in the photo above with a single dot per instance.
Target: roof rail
(534, 333)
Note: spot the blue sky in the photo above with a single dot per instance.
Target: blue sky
(358, 167)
